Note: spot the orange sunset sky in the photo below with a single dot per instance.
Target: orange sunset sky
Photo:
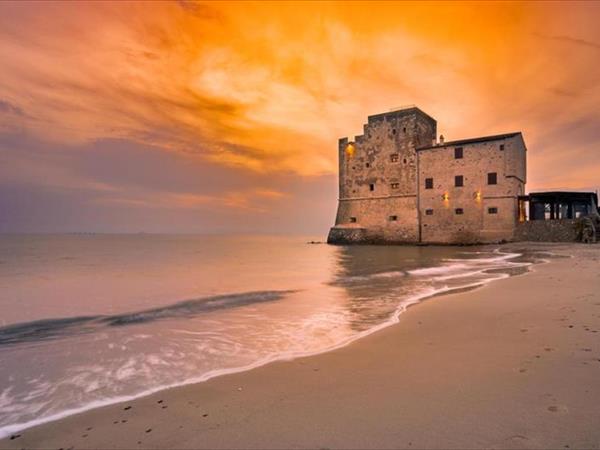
(224, 117)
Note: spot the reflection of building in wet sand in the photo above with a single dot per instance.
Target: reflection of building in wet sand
(398, 184)
(377, 281)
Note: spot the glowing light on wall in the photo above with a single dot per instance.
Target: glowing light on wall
(350, 150)
(445, 197)
(477, 196)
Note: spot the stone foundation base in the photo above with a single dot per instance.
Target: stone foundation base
(358, 235)
(343, 236)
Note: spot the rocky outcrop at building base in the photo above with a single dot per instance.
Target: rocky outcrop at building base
(562, 230)
(584, 229)
(347, 235)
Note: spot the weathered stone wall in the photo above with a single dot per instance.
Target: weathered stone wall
(561, 230)
(476, 196)
(385, 158)
(374, 214)
(515, 161)
(370, 157)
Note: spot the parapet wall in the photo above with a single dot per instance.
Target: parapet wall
(561, 230)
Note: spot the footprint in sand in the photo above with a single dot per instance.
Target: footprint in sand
(558, 408)
(517, 437)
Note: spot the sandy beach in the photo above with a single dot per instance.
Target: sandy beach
(513, 364)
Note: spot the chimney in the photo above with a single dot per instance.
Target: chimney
(441, 139)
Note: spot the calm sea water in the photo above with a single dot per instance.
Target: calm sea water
(90, 320)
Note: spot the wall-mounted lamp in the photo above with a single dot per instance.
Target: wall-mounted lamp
(445, 197)
(477, 196)
(350, 150)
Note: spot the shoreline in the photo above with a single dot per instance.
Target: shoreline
(47, 434)
(17, 429)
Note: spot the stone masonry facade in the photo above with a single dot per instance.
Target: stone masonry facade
(398, 185)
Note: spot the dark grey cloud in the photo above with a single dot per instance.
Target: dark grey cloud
(561, 92)
(8, 108)
(570, 40)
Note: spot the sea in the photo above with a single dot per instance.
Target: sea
(88, 320)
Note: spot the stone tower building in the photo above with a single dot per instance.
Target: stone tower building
(397, 185)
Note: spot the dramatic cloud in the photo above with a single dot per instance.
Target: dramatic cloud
(228, 110)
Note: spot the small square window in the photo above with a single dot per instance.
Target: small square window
(395, 185)
(429, 212)
(428, 183)
(458, 181)
(492, 210)
(459, 211)
(352, 219)
(371, 187)
(458, 153)
(404, 130)
(404, 161)
(394, 131)
(393, 218)
(367, 165)
(394, 157)
(501, 146)
(492, 178)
